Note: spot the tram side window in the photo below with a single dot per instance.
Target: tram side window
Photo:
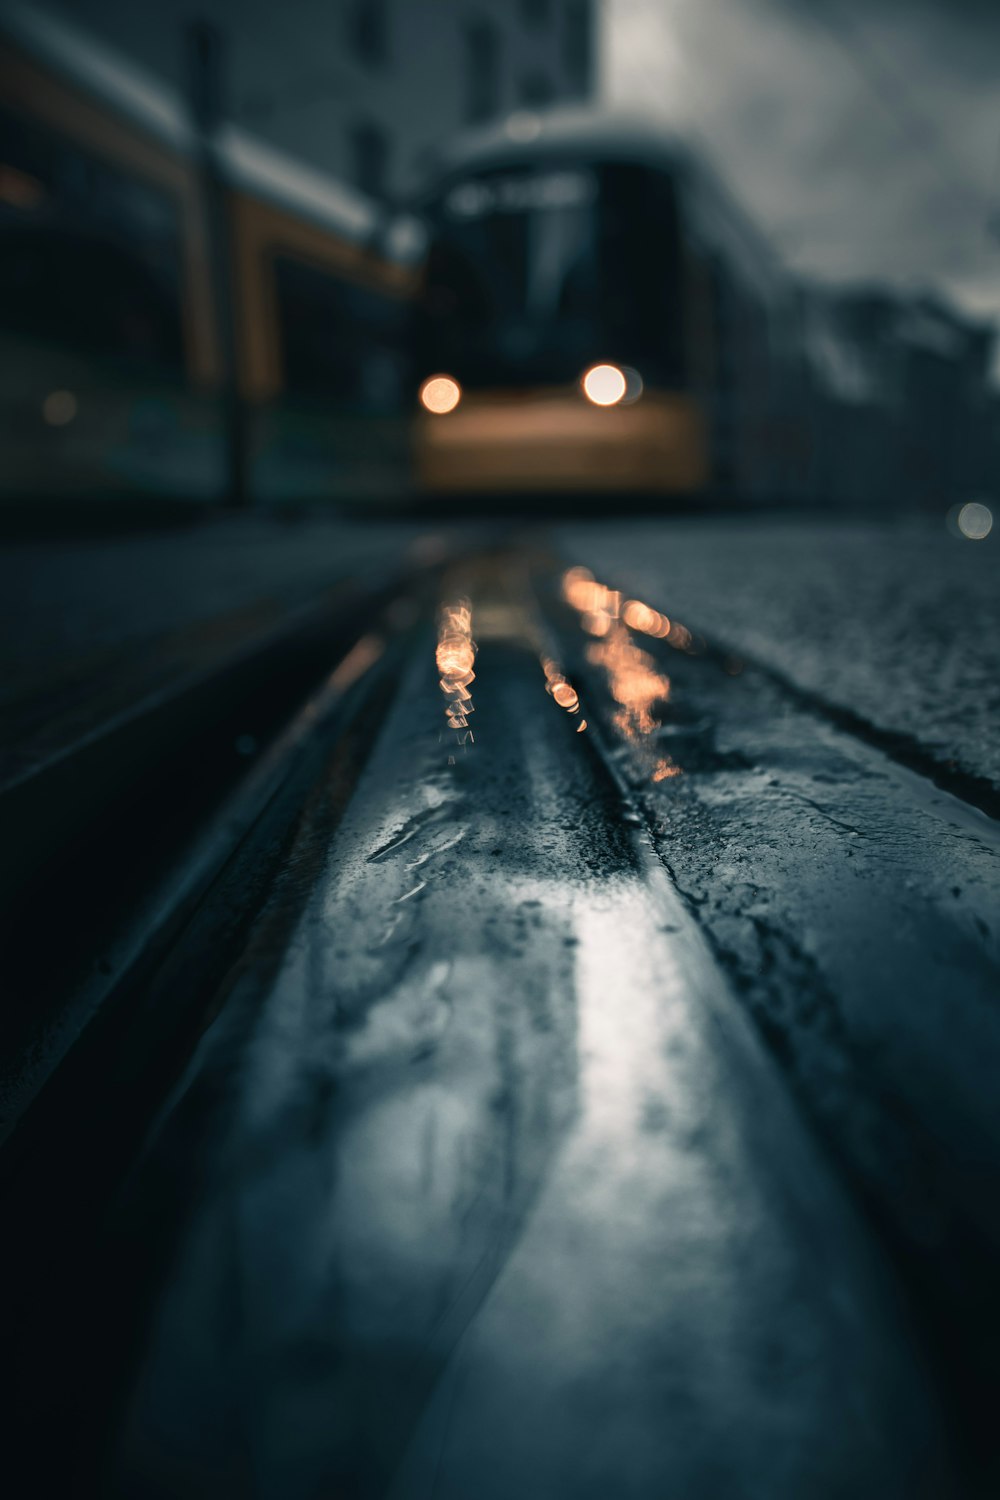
(341, 343)
(90, 256)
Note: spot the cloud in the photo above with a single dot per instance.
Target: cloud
(864, 138)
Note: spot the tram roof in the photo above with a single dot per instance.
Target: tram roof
(100, 71)
(569, 130)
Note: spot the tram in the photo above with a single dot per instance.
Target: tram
(597, 315)
(111, 332)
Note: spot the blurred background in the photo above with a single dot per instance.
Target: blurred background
(236, 244)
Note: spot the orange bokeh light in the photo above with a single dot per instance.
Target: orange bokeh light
(635, 681)
(440, 394)
(559, 688)
(454, 658)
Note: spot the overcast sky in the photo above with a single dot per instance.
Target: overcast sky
(864, 135)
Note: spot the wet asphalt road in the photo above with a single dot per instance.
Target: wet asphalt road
(893, 621)
(589, 1111)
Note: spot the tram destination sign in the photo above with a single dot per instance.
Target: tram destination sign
(522, 192)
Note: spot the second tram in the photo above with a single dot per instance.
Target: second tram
(111, 348)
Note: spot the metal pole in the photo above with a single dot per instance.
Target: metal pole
(206, 68)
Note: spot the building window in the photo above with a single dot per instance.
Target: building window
(578, 45)
(536, 90)
(482, 47)
(536, 13)
(368, 30)
(369, 158)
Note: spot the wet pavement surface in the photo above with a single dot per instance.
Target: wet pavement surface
(91, 625)
(601, 1100)
(896, 622)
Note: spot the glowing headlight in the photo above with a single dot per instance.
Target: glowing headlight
(604, 385)
(440, 394)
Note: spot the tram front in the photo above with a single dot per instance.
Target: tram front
(551, 334)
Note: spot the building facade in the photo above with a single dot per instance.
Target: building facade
(364, 89)
(900, 399)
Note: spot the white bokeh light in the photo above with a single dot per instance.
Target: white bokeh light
(604, 385)
(975, 521)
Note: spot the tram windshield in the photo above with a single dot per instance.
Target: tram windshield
(533, 274)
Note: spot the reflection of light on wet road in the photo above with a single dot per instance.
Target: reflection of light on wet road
(561, 690)
(634, 679)
(586, 595)
(455, 655)
(635, 684)
(639, 616)
(600, 606)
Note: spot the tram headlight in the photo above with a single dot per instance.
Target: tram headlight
(440, 394)
(604, 385)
